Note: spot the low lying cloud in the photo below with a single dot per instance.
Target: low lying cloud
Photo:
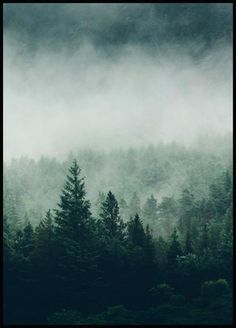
(55, 101)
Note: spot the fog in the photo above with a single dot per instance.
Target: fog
(58, 98)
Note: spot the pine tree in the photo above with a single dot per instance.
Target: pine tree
(188, 243)
(124, 209)
(174, 247)
(150, 210)
(204, 238)
(141, 255)
(44, 238)
(7, 237)
(112, 249)
(136, 234)
(167, 213)
(44, 260)
(227, 181)
(75, 244)
(228, 190)
(7, 267)
(134, 206)
(12, 206)
(28, 240)
(110, 221)
(187, 212)
(73, 218)
(100, 199)
(149, 237)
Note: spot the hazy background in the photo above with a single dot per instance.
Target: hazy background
(114, 75)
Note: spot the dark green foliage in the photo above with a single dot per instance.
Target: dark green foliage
(188, 243)
(79, 269)
(161, 293)
(136, 234)
(187, 212)
(170, 309)
(174, 247)
(214, 289)
(116, 315)
(111, 224)
(73, 218)
(45, 234)
(75, 243)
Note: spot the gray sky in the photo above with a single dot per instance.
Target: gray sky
(114, 75)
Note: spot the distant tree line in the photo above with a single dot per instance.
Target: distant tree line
(133, 175)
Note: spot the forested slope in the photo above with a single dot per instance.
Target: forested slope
(133, 259)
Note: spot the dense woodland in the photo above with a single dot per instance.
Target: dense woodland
(144, 238)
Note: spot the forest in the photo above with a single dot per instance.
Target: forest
(136, 236)
(118, 164)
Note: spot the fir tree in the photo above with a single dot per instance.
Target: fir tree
(188, 243)
(174, 247)
(45, 238)
(76, 264)
(73, 218)
(167, 212)
(44, 259)
(134, 206)
(187, 212)
(136, 233)
(150, 210)
(110, 220)
(28, 240)
(124, 209)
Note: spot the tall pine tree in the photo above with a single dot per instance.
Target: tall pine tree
(75, 243)
(73, 218)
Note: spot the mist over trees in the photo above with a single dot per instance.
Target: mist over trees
(142, 259)
(140, 177)
(117, 189)
(124, 75)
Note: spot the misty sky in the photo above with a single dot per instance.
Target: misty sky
(114, 75)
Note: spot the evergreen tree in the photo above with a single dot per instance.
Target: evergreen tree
(136, 233)
(73, 218)
(141, 254)
(221, 194)
(150, 210)
(7, 238)
(167, 212)
(134, 206)
(204, 238)
(124, 209)
(112, 250)
(76, 264)
(28, 240)
(44, 259)
(174, 248)
(188, 243)
(44, 239)
(110, 221)
(187, 212)
(100, 199)
(227, 178)
(12, 206)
